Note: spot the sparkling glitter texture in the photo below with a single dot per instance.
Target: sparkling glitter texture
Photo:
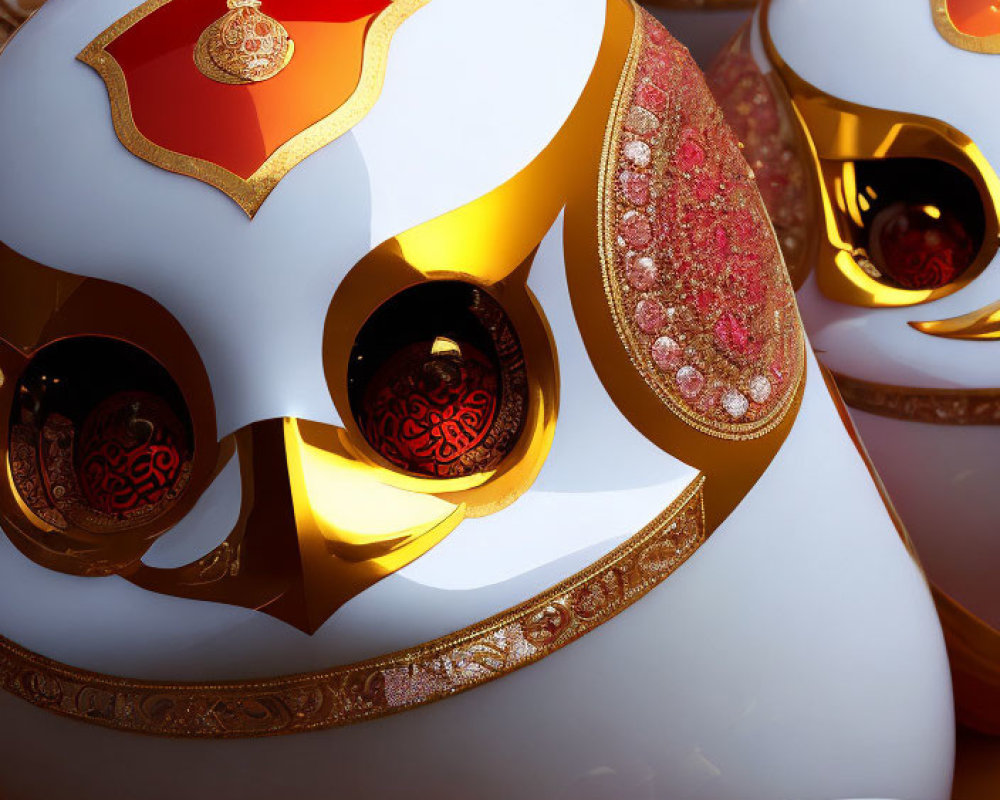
(694, 274)
(768, 134)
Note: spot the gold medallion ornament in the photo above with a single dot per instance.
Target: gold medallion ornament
(244, 46)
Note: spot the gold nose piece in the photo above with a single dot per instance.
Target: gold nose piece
(317, 527)
(359, 518)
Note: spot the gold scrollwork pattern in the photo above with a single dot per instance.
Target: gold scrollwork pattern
(382, 686)
(692, 270)
(934, 406)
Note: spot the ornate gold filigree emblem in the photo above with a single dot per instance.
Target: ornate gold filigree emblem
(243, 46)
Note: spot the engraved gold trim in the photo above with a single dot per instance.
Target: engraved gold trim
(838, 132)
(933, 406)
(377, 687)
(249, 193)
(952, 35)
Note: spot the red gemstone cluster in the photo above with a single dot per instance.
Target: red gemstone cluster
(695, 277)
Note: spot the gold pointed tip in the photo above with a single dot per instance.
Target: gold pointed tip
(977, 326)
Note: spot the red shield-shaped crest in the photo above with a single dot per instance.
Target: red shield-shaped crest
(243, 137)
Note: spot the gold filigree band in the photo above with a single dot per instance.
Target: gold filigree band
(934, 406)
(378, 687)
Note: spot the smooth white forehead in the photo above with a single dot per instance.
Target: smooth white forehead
(888, 54)
(474, 91)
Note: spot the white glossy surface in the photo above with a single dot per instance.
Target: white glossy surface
(943, 481)
(798, 640)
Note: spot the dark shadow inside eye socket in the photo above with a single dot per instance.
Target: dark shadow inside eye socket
(917, 223)
(437, 383)
(101, 437)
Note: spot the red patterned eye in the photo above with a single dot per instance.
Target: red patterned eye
(920, 246)
(437, 381)
(919, 223)
(100, 437)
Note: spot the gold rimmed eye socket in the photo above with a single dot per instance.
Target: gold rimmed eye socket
(437, 381)
(915, 224)
(100, 437)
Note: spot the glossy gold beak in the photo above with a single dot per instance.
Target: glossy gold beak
(317, 527)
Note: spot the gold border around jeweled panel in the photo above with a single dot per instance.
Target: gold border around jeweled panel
(605, 216)
(249, 193)
(382, 686)
(951, 34)
(933, 406)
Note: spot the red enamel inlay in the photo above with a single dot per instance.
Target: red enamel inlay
(240, 127)
(975, 17)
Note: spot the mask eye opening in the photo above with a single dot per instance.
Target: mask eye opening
(913, 224)
(437, 383)
(101, 438)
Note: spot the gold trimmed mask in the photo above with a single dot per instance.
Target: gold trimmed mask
(442, 367)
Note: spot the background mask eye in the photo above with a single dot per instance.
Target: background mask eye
(437, 381)
(101, 438)
(916, 223)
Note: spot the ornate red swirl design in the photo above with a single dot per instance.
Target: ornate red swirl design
(424, 412)
(130, 454)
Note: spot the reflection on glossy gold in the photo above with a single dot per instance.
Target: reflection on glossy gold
(359, 517)
(982, 324)
(838, 133)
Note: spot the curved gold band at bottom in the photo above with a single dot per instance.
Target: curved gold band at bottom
(379, 687)
(933, 406)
